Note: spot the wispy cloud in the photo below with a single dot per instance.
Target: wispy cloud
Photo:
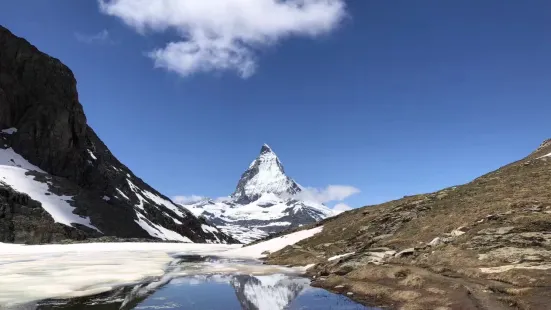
(330, 193)
(100, 37)
(187, 199)
(341, 207)
(224, 35)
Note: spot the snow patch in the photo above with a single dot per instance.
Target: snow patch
(159, 231)
(142, 194)
(209, 229)
(9, 131)
(330, 259)
(273, 245)
(92, 155)
(548, 155)
(8, 157)
(122, 194)
(57, 206)
(267, 210)
(106, 198)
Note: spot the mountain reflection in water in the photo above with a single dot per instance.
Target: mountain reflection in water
(202, 292)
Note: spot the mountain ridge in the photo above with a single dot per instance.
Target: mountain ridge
(480, 245)
(51, 155)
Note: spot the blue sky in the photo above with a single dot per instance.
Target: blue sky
(393, 98)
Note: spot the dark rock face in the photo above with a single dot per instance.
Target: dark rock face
(38, 96)
(22, 220)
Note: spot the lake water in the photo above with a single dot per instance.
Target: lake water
(207, 283)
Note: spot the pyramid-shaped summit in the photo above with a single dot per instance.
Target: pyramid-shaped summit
(264, 202)
(265, 175)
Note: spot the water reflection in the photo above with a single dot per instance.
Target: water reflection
(210, 283)
(202, 292)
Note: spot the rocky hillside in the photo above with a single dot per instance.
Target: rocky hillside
(265, 201)
(58, 180)
(482, 245)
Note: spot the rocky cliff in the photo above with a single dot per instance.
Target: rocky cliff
(75, 188)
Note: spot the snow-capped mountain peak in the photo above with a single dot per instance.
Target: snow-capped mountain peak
(264, 202)
(264, 175)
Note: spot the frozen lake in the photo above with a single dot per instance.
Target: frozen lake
(210, 283)
(105, 276)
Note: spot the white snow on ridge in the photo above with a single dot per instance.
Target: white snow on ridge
(274, 224)
(159, 231)
(122, 194)
(57, 206)
(13, 169)
(9, 131)
(270, 178)
(269, 208)
(8, 157)
(207, 229)
(92, 155)
(243, 234)
(142, 194)
(153, 229)
(340, 256)
(273, 245)
(548, 155)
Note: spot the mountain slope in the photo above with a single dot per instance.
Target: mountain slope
(52, 160)
(264, 175)
(482, 245)
(264, 202)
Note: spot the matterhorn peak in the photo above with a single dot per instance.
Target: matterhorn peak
(263, 203)
(264, 175)
(266, 149)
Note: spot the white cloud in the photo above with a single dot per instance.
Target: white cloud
(100, 37)
(341, 207)
(222, 35)
(330, 193)
(187, 199)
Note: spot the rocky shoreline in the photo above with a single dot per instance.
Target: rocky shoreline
(482, 245)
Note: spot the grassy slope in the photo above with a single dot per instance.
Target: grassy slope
(505, 216)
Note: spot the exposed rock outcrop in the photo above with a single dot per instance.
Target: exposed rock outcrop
(43, 121)
(482, 245)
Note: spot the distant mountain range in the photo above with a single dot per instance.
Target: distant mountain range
(265, 201)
